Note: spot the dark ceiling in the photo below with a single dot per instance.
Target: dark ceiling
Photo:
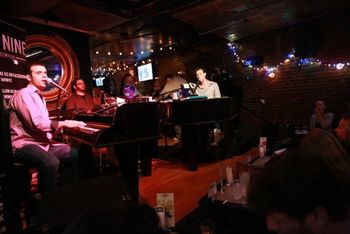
(129, 29)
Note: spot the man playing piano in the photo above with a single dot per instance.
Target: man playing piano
(31, 133)
(205, 87)
(200, 134)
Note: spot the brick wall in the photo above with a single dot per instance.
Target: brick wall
(291, 95)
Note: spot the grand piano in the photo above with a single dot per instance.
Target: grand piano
(130, 125)
(196, 115)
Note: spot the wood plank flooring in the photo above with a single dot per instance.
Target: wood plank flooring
(188, 186)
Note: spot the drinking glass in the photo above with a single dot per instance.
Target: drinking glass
(237, 190)
(207, 226)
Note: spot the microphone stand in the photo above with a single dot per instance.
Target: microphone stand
(193, 90)
(58, 107)
(269, 128)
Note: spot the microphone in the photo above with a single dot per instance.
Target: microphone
(50, 81)
(195, 88)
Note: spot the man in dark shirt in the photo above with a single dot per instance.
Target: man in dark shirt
(80, 101)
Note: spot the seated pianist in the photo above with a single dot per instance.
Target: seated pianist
(210, 89)
(205, 87)
(31, 133)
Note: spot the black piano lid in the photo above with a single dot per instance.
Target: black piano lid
(201, 111)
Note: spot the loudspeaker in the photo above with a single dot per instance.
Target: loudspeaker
(57, 208)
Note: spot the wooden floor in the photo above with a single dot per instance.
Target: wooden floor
(188, 186)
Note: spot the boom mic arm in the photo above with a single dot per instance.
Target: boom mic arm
(50, 81)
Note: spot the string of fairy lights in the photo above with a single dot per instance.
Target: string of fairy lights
(118, 65)
(270, 71)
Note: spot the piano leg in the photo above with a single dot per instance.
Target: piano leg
(228, 138)
(194, 140)
(87, 162)
(148, 149)
(127, 158)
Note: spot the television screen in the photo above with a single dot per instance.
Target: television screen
(145, 72)
(99, 81)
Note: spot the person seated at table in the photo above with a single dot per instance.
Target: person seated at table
(343, 131)
(305, 190)
(128, 88)
(321, 117)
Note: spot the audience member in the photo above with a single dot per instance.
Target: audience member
(322, 143)
(322, 118)
(114, 218)
(306, 190)
(129, 90)
(31, 132)
(343, 131)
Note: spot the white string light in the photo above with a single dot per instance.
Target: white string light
(270, 71)
(117, 65)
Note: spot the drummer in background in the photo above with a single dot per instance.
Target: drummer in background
(205, 87)
(79, 101)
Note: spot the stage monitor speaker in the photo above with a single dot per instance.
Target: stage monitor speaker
(57, 208)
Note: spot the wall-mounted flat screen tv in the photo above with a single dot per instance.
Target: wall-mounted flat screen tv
(145, 72)
(99, 81)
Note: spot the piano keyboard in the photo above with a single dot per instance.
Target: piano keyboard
(90, 129)
(97, 126)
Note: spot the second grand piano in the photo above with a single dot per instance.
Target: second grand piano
(196, 116)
